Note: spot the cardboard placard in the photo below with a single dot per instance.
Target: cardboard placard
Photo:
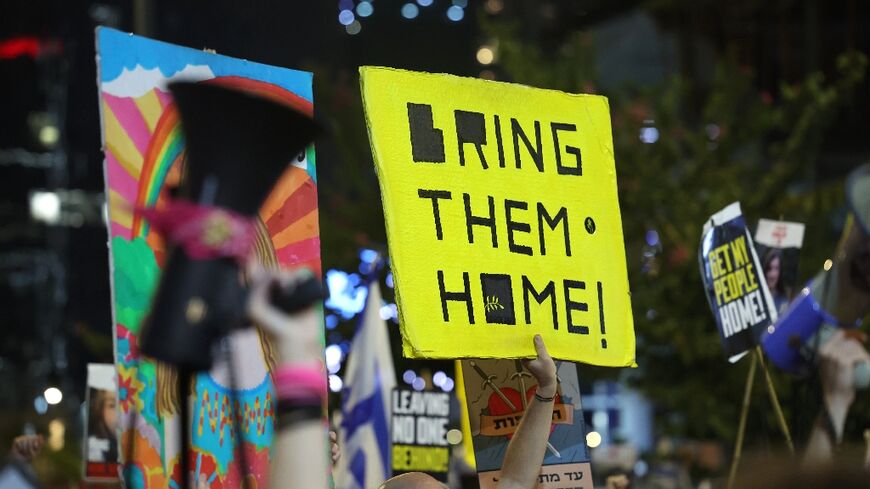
(101, 424)
(144, 157)
(502, 217)
(419, 432)
(497, 393)
(734, 282)
(779, 245)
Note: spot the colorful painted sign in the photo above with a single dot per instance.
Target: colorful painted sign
(144, 156)
(502, 217)
(497, 393)
(734, 282)
(419, 432)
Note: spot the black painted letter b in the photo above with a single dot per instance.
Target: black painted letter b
(427, 143)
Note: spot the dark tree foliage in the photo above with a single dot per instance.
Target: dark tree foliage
(717, 143)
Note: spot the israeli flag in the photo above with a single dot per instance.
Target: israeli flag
(364, 433)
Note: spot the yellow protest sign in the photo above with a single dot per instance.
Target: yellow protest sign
(502, 217)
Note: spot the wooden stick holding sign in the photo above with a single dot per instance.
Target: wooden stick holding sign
(757, 358)
(741, 429)
(774, 400)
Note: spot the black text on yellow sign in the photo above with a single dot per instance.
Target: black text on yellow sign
(502, 217)
(408, 458)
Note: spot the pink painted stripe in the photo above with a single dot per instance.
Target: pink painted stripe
(301, 251)
(119, 180)
(119, 230)
(165, 98)
(128, 114)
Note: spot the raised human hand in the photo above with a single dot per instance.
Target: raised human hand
(296, 335)
(335, 448)
(543, 368)
(27, 447)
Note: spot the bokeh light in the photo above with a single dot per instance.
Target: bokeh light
(409, 376)
(439, 378)
(53, 395)
(649, 135)
(485, 55)
(345, 17)
(335, 383)
(333, 358)
(454, 437)
(593, 439)
(353, 28)
(410, 11)
(455, 13)
(364, 9)
(40, 405)
(493, 6)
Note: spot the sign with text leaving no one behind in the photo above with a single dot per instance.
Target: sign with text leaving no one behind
(419, 432)
(502, 217)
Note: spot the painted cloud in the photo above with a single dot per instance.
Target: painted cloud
(139, 81)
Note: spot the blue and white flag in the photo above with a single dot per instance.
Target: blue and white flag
(364, 435)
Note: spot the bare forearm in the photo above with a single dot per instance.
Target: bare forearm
(821, 444)
(525, 453)
(820, 449)
(299, 457)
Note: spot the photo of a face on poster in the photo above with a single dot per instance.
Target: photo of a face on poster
(779, 244)
(101, 439)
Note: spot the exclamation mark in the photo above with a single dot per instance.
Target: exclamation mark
(601, 315)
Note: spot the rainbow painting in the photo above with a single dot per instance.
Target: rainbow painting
(144, 153)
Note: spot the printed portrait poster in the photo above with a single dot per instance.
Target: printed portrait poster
(734, 282)
(502, 218)
(418, 432)
(144, 159)
(101, 424)
(779, 244)
(497, 393)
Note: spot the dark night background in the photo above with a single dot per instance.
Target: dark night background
(55, 313)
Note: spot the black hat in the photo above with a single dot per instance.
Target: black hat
(238, 145)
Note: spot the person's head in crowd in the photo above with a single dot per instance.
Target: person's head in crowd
(780, 473)
(103, 416)
(617, 478)
(413, 480)
(102, 443)
(771, 263)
